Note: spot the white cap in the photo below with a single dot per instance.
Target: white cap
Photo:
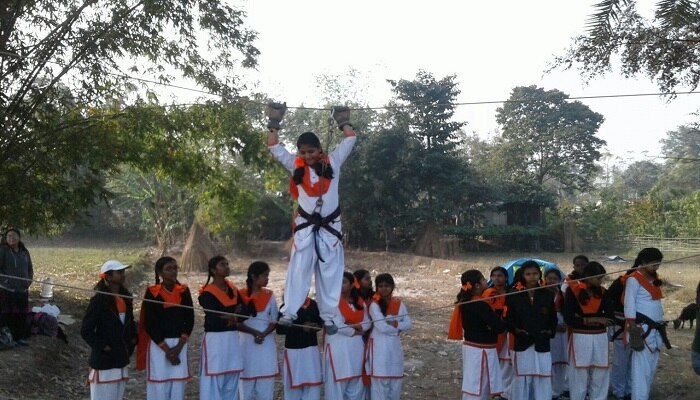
(113, 265)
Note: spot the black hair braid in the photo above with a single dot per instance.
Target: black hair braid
(472, 277)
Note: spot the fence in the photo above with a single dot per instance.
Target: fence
(662, 243)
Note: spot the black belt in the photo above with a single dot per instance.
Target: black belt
(659, 326)
(317, 222)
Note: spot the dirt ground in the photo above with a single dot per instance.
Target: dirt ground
(50, 369)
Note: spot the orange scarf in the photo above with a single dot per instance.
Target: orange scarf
(498, 303)
(320, 188)
(653, 290)
(593, 305)
(260, 299)
(221, 295)
(351, 316)
(456, 330)
(171, 299)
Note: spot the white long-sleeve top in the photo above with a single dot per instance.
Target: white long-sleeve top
(385, 353)
(638, 299)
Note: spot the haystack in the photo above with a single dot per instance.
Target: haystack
(198, 250)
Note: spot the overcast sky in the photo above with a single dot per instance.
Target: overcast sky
(491, 46)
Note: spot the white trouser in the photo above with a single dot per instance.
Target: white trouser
(559, 383)
(171, 390)
(257, 389)
(594, 381)
(485, 392)
(219, 387)
(351, 389)
(385, 389)
(329, 276)
(643, 369)
(620, 375)
(303, 393)
(531, 388)
(506, 376)
(107, 391)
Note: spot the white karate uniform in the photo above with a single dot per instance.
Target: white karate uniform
(220, 366)
(165, 381)
(532, 377)
(304, 261)
(643, 363)
(384, 353)
(487, 381)
(344, 358)
(589, 370)
(108, 384)
(302, 374)
(260, 366)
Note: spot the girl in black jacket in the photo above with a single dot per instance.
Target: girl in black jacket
(109, 328)
(532, 319)
(479, 327)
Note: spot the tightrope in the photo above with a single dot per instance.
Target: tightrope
(419, 312)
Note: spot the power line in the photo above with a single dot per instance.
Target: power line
(387, 107)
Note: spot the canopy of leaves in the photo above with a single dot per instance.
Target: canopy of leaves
(547, 137)
(64, 61)
(664, 48)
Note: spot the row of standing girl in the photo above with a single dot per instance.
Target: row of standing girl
(238, 358)
(535, 343)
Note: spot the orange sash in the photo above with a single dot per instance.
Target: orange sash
(455, 330)
(260, 299)
(221, 295)
(171, 299)
(320, 188)
(174, 298)
(498, 303)
(593, 305)
(351, 316)
(121, 304)
(654, 291)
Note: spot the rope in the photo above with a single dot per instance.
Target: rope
(406, 106)
(419, 312)
(143, 299)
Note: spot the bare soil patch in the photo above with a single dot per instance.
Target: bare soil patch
(50, 369)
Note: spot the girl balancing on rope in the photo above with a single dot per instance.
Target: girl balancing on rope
(532, 319)
(495, 296)
(109, 329)
(317, 244)
(588, 312)
(222, 357)
(479, 326)
(163, 332)
(259, 351)
(384, 353)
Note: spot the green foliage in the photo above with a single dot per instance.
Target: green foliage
(664, 47)
(548, 138)
(62, 86)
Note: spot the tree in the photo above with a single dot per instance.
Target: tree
(664, 47)
(639, 177)
(425, 111)
(64, 62)
(187, 159)
(546, 137)
(681, 171)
